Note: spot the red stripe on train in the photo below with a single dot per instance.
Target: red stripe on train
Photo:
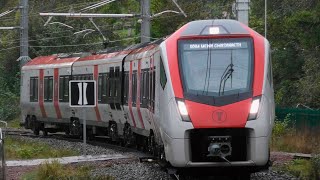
(130, 95)
(138, 94)
(41, 77)
(95, 76)
(56, 93)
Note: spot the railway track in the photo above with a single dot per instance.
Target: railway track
(137, 154)
(143, 157)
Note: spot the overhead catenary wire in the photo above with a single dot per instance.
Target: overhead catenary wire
(74, 45)
(57, 32)
(55, 9)
(94, 6)
(9, 48)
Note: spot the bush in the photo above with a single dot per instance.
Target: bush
(9, 106)
(282, 127)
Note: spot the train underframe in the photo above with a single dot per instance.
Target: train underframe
(110, 131)
(210, 152)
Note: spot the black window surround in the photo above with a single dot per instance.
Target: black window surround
(225, 99)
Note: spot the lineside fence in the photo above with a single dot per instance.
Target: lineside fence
(300, 119)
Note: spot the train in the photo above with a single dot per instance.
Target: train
(201, 98)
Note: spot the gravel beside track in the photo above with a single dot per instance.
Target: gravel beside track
(133, 169)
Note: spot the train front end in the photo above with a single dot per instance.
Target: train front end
(219, 96)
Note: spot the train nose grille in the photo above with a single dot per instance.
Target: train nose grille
(218, 145)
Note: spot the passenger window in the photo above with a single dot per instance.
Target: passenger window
(270, 76)
(134, 87)
(126, 87)
(33, 89)
(61, 88)
(100, 85)
(116, 80)
(163, 77)
(48, 88)
(141, 85)
(64, 88)
(111, 85)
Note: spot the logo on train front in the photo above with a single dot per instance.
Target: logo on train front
(219, 116)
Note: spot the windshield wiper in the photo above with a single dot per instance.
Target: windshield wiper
(208, 69)
(226, 75)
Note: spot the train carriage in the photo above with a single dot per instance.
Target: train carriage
(201, 98)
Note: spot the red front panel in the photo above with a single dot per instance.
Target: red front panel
(172, 53)
(259, 61)
(230, 116)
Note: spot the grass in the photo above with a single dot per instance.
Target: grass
(302, 142)
(15, 123)
(57, 171)
(17, 148)
(287, 139)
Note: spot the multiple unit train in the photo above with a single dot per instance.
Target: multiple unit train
(201, 98)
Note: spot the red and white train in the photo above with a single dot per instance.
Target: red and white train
(201, 98)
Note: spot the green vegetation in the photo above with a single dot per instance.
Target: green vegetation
(15, 123)
(57, 171)
(286, 138)
(17, 148)
(302, 168)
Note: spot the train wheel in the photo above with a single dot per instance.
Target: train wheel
(45, 132)
(113, 132)
(75, 127)
(35, 126)
(152, 144)
(67, 131)
(127, 135)
(27, 123)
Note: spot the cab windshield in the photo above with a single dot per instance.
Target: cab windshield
(216, 67)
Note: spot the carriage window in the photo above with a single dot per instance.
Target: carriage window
(64, 88)
(61, 88)
(48, 88)
(270, 76)
(116, 78)
(126, 87)
(134, 87)
(147, 89)
(141, 85)
(33, 89)
(163, 77)
(153, 87)
(111, 84)
(102, 87)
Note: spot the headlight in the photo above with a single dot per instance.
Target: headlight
(183, 110)
(254, 109)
